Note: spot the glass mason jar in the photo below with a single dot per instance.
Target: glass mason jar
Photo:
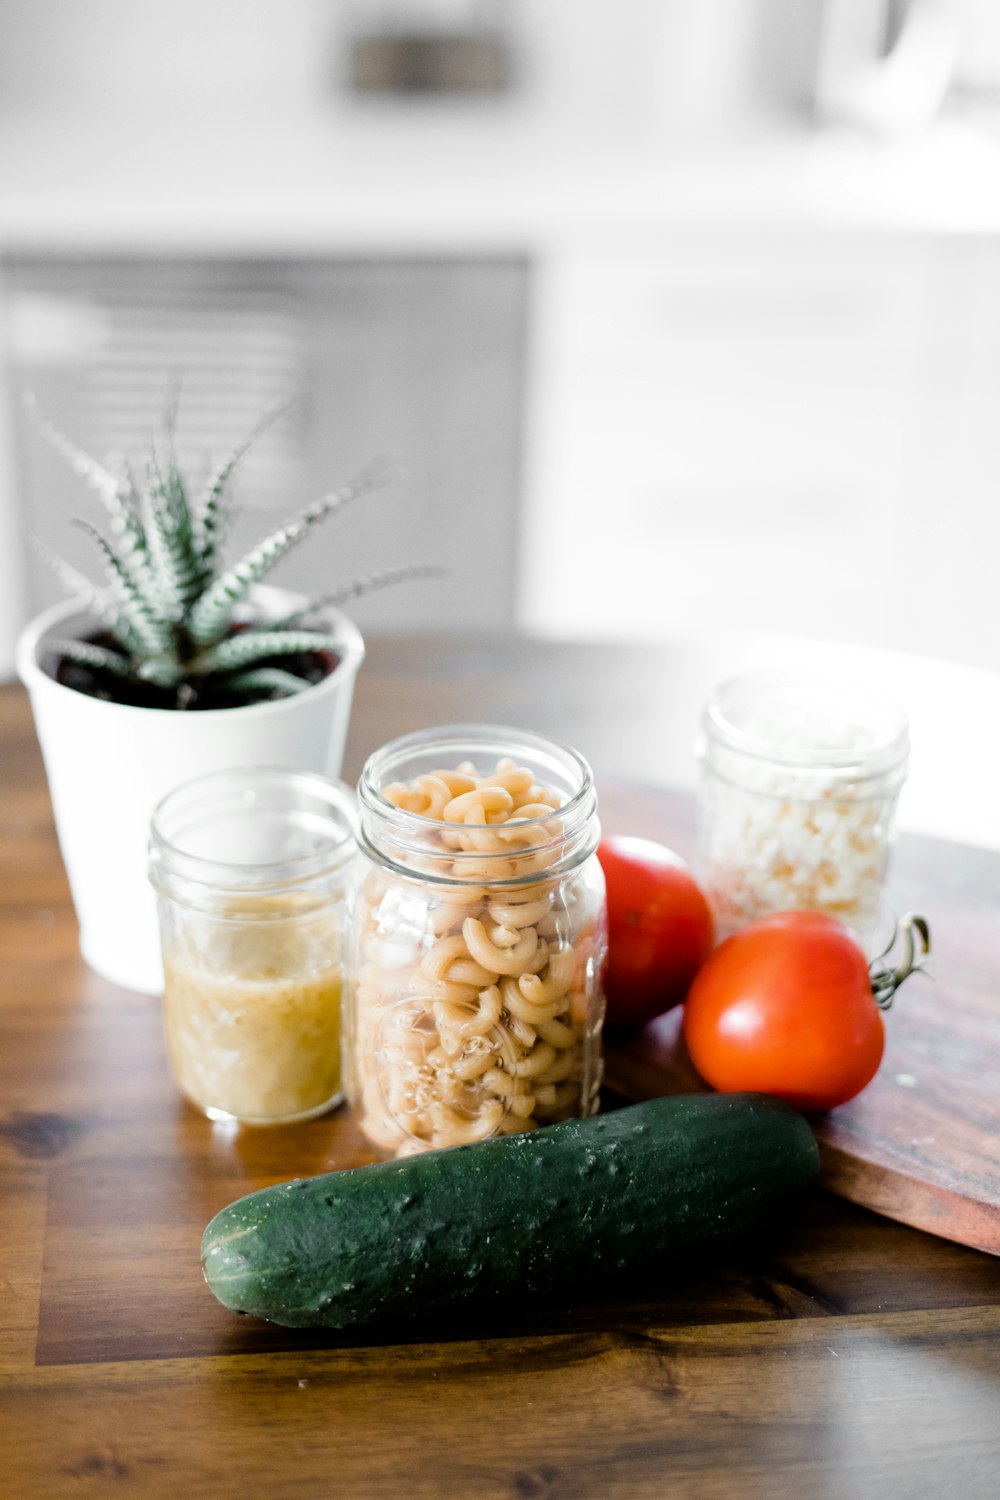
(799, 785)
(251, 869)
(475, 1004)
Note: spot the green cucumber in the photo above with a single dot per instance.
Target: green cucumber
(586, 1202)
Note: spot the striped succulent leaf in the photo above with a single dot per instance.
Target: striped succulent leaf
(130, 535)
(348, 591)
(176, 565)
(152, 631)
(97, 601)
(267, 680)
(164, 670)
(90, 655)
(212, 515)
(101, 479)
(116, 487)
(258, 645)
(211, 615)
(211, 511)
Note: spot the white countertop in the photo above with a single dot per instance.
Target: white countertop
(409, 180)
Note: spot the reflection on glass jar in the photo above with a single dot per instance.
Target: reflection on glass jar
(251, 869)
(800, 780)
(475, 1004)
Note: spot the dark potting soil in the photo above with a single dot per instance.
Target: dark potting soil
(205, 693)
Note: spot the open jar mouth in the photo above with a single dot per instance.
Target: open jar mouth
(408, 840)
(806, 725)
(254, 831)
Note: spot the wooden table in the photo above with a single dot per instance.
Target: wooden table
(843, 1356)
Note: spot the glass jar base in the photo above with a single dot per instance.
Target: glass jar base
(225, 1116)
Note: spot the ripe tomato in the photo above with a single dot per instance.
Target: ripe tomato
(660, 929)
(786, 1007)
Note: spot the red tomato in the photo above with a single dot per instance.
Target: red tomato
(660, 929)
(786, 1007)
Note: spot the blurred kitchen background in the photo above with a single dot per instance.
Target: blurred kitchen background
(680, 316)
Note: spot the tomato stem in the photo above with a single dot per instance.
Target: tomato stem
(885, 978)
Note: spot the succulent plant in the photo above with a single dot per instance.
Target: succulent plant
(172, 617)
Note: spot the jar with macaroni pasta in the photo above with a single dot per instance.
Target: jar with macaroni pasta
(800, 780)
(474, 1003)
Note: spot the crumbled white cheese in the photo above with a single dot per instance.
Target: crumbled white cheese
(779, 834)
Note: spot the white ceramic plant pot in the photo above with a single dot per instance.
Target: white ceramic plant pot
(109, 764)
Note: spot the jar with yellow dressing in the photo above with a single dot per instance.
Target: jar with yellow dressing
(251, 869)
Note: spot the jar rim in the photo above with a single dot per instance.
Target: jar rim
(326, 806)
(882, 747)
(407, 829)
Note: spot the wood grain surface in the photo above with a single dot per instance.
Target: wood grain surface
(841, 1355)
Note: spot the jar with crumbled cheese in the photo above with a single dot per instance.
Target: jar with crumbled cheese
(800, 780)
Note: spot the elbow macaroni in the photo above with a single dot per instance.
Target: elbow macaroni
(475, 1006)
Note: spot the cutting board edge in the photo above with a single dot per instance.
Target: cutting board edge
(918, 1203)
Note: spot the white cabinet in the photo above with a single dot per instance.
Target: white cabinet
(769, 433)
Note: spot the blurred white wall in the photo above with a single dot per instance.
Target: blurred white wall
(126, 58)
(685, 66)
(635, 67)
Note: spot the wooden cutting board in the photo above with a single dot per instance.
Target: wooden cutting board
(922, 1143)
